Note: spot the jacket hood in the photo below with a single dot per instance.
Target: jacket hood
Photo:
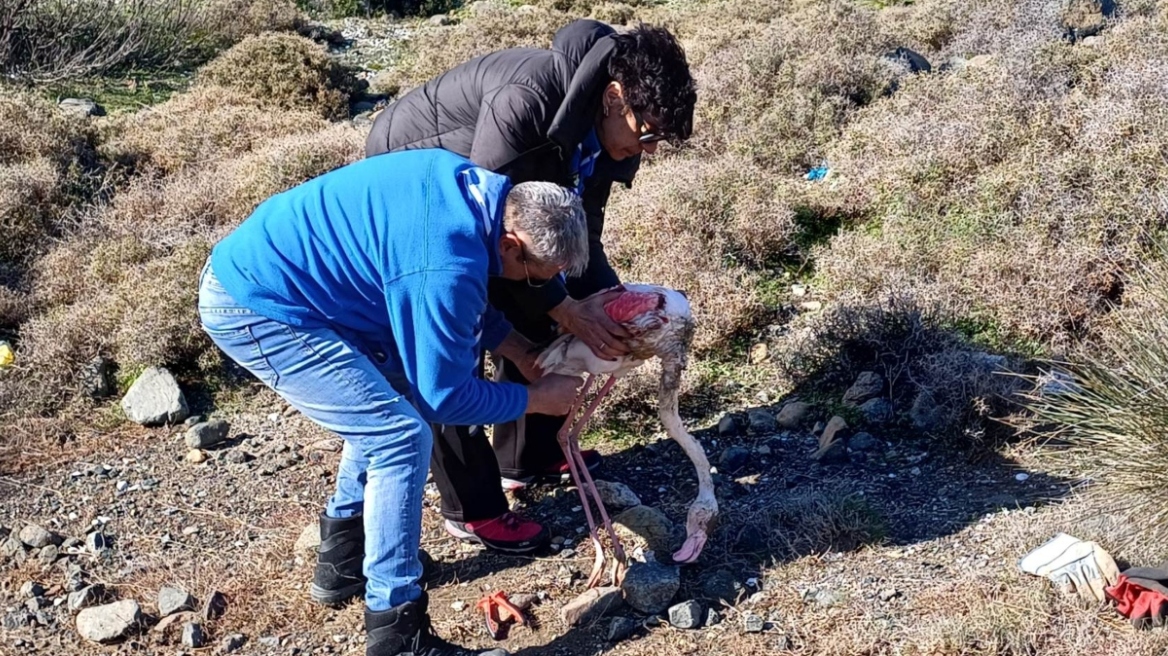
(586, 47)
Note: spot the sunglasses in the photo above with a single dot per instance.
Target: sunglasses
(647, 135)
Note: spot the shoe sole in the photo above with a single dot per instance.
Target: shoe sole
(523, 548)
(513, 484)
(327, 597)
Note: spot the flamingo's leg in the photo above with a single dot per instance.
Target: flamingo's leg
(566, 438)
(587, 482)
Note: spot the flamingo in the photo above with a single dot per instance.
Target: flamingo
(661, 325)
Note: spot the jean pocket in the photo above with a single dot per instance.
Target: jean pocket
(240, 344)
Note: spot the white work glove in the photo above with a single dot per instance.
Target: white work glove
(1073, 566)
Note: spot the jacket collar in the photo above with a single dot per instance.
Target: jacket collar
(486, 194)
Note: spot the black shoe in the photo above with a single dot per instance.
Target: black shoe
(339, 576)
(405, 630)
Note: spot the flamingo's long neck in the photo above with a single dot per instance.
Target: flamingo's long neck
(671, 419)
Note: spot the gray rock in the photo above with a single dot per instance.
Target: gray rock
(752, 623)
(734, 459)
(721, 586)
(155, 399)
(96, 541)
(239, 457)
(761, 421)
(441, 20)
(823, 598)
(617, 496)
(863, 442)
(49, 554)
(794, 414)
(10, 547)
(309, 538)
(81, 107)
(36, 603)
(621, 628)
(97, 378)
(888, 594)
(713, 617)
(215, 606)
(31, 589)
(174, 600)
(270, 641)
(36, 537)
(16, 619)
(193, 636)
(925, 414)
(86, 597)
(877, 411)
(207, 434)
(109, 622)
(869, 384)
(648, 524)
(687, 615)
(649, 587)
(727, 427)
(833, 442)
(592, 605)
(233, 642)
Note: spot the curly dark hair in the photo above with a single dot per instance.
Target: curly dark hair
(650, 66)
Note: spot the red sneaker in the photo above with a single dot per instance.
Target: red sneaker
(556, 473)
(509, 533)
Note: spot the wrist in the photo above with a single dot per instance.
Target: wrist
(563, 312)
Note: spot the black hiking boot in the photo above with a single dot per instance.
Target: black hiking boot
(405, 631)
(339, 575)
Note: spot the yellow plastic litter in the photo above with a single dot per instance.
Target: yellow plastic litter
(7, 355)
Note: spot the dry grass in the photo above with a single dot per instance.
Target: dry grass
(283, 71)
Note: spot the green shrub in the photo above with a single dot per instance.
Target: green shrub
(283, 71)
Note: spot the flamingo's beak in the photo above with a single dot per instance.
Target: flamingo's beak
(692, 548)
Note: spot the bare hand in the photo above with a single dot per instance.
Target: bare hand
(552, 394)
(527, 366)
(587, 320)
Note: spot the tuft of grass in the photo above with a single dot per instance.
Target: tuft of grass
(818, 521)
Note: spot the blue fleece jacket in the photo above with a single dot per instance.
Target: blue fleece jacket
(398, 248)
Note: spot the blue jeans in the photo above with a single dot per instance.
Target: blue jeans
(343, 383)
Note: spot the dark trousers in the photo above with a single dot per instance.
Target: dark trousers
(467, 466)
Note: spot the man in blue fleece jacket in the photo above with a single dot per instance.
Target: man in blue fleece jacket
(361, 298)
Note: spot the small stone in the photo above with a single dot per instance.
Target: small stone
(215, 606)
(524, 601)
(869, 384)
(239, 457)
(207, 434)
(10, 547)
(727, 427)
(328, 445)
(863, 442)
(687, 615)
(97, 378)
(458, 606)
(86, 597)
(888, 594)
(1022, 476)
(763, 450)
(752, 623)
(309, 538)
(794, 414)
(824, 598)
(233, 642)
(155, 399)
(621, 628)
(193, 636)
(617, 495)
(31, 589)
(196, 456)
(925, 414)
(36, 537)
(649, 587)
(174, 600)
(649, 525)
(440, 20)
(832, 443)
(761, 422)
(592, 605)
(191, 530)
(721, 586)
(270, 641)
(36, 603)
(734, 459)
(109, 622)
(49, 554)
(81, 107)
(759, 353)
(798, 289)
(811, 306)
(877, 411)
(96, 541)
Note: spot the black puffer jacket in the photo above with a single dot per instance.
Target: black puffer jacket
(521, 112)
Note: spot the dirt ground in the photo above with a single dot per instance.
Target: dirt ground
(906, 549)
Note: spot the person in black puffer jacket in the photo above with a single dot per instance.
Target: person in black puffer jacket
(580, 114)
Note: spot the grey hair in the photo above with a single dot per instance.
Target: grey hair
(553, 217)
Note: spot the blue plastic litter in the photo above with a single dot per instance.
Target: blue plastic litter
(817, 173)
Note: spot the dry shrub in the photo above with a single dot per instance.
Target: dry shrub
(936, 378)
(816, 521)
(204, 125)
(232, 20)
(29, 203)
(434, 50)
(283, 71)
